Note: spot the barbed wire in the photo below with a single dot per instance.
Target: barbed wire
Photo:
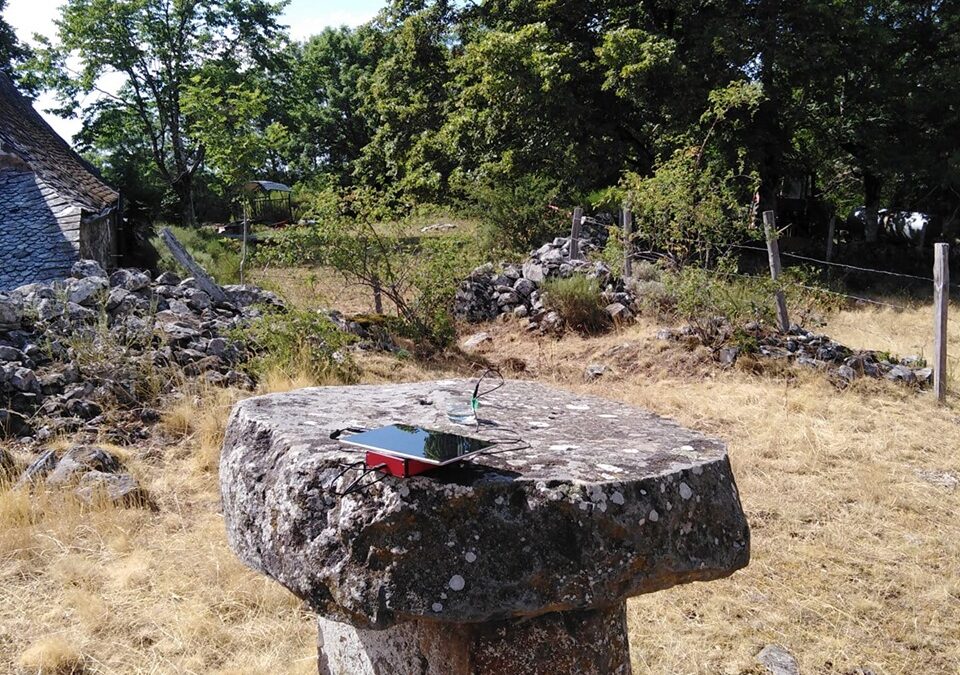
(842, 265)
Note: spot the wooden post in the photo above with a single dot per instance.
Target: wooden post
(627, 244)
(831, 231)
(941, 300)
(243, 245)
(773, 253)
(575, 233)
(204, 281)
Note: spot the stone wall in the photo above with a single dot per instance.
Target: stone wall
(98, 240)
(40, 231)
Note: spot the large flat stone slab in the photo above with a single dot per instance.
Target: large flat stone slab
(609, 501)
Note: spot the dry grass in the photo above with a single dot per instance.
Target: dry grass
(856, 559)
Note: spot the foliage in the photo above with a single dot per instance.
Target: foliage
(158, 47)
(691, 206)
(218, 256)
(517, 214)
(226, 122)
(12, 52)
(417, 276)
(299, 342)
(578, 302)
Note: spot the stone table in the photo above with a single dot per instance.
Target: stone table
(518, 561)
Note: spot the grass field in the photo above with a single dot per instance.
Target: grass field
(856, 542)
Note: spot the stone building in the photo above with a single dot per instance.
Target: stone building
(54, 207)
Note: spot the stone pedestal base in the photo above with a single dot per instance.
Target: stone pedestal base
(589, 642)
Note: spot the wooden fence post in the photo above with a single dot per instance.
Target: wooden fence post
(627, 244)
(575, 233)
(204, 281)
(941, 300)
(773, 253)
(831, 231)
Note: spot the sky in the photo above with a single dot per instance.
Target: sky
(304, 17)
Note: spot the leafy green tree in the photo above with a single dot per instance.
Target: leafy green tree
(158, 46)
(226, 121)
(12, 51)
(322, 100)
(406, 98)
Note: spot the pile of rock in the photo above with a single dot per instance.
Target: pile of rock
(70, 349)
(805, 348)
(515, 290)
(89, 471)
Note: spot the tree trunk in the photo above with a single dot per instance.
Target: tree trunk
(183, 187)
(871, 196)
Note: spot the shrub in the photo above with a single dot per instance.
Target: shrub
(516, 214)
(299, 342)
(578, 301)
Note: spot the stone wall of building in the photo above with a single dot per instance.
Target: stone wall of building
(39, 230)
(98, 239)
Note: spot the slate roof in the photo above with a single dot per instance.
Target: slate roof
(24, 133)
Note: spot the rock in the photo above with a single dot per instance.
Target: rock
(847, 373)
(11, 314)
(11, 354)
(83, 408)
(618, 312)
(728, 355)
(476, 342)
(380, 557)
(87, 268)
(533, 271)
(80, 459)
(21, 379)
(665, 334)
(129, 279)
(509, 298)
(901, 374)
(924, 375)
(43, 464)
(168, 279)
(778, 661)
(524, 287)
(594, 371)
(117, 488)
(942, 479)
(520, 311)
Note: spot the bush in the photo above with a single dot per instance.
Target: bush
(578, 301)
(219, 256)
(299, 342)
(515, 213)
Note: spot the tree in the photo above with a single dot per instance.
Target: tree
(226, 121)
(322, 100)
(406, 98)
(12, 51)
(158, 46)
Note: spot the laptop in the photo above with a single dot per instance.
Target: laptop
(406, 441)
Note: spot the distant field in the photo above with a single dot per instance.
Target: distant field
(856, 547)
